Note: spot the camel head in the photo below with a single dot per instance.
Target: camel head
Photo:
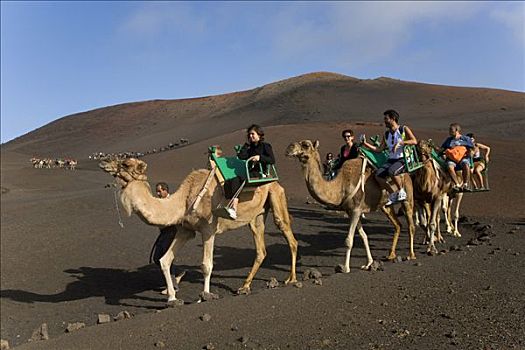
(303, 150)
(424, 149)
(125, 170)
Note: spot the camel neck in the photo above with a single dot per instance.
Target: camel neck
(325, 192)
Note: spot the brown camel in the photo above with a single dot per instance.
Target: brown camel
(190, 209)
(432, 186)
(355, 191)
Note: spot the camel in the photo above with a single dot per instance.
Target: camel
(190, 209)
(355, 191)
(433, 192)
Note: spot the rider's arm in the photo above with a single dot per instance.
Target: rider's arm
(486, 148)
(267, 154)
(380, 148)
(243, 152)
(410, 138)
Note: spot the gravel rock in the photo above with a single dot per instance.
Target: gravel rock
(122, 315)
(376, 266)
(474, 242)
(208, 296)
(71, 327)
(244, 340)
(318, 281)
(205, 317)
(484, 237)
(41, 333)
(175, 303)
(418, 264)
(4, 344)
(103, 318)
(311, 273)
(272, 283)
(398, 259)
(209, 346)
(452, 334)
(339, 268)
(455, 247)
(298, 285)
(160, 344)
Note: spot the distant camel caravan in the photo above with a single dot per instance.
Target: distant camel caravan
(190, 209)
(48, 163)
(354, 190)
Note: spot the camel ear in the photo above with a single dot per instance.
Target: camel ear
(316, 144)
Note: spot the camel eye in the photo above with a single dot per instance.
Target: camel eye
(304, 145)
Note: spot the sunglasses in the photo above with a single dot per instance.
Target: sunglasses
(347, 136)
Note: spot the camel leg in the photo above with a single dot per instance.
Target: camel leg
(445, 205)
(428, 215)
(282, 220)
(354, 220)
(363, 235)
(257, 228)
(436, 207)
(409, 215)
(181, 238)
(455, 211)
(208, 240)
(439, 236)
(392, 217)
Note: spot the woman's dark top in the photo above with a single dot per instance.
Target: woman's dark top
(262, 149)
(345, 154)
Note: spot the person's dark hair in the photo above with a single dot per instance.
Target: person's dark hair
(471, 135)
(455, 126)
(347, 131)
(257, 129)
(163, 186)
(329, 154)
(392, 114)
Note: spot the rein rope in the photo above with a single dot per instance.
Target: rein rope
(204, 189)
(118, 210)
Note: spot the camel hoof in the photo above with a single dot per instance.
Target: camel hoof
(391, 257)
(367, 267)
(244, 291)
(290, 280)
(175, 303)
(205, 296)
(412, 257)
(164, 291)
(341, 269)
(432, 251)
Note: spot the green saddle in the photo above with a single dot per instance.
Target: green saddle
(232, 167)
(377, 159)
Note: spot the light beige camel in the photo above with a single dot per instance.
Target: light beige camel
(193, 215)
(345, 192)
(433, 192)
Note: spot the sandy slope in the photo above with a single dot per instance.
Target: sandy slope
(65, 259)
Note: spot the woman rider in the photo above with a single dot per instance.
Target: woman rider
(256, 152)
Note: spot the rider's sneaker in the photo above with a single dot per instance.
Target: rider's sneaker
(392, 198)
(232, 213)
(465, 188)
(402, 195)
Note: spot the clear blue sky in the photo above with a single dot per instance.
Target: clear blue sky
(60, 58)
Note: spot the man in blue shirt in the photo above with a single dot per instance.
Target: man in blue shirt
(457, 149)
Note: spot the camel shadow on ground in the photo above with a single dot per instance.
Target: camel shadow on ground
(112, 284)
